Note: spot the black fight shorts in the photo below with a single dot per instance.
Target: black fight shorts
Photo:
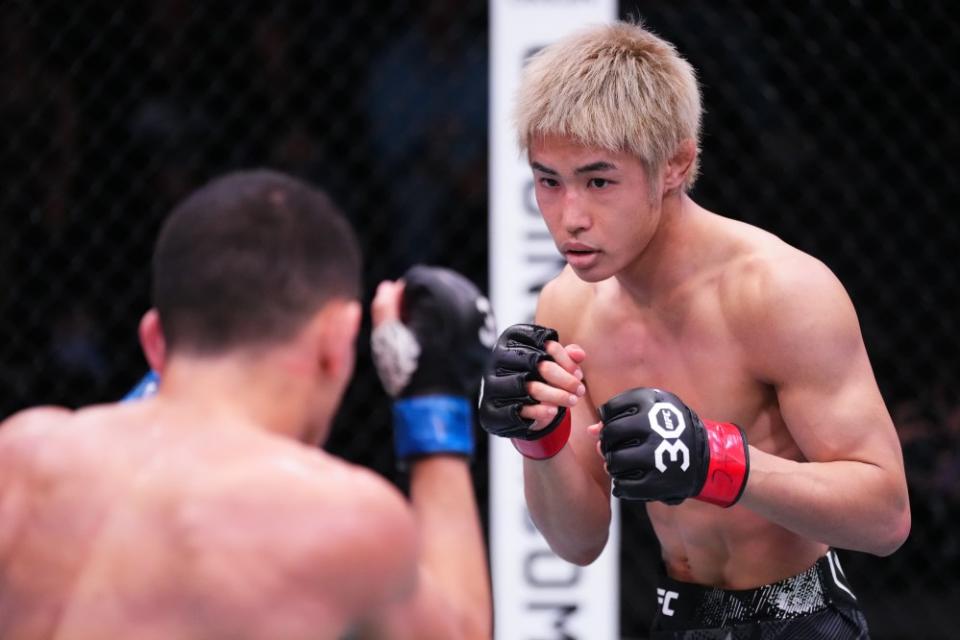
(817, 603)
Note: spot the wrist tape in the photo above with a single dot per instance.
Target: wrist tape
(550, 444)
(729, 464)
(426, 425)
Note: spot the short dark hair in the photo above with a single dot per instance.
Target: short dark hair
(246, 260)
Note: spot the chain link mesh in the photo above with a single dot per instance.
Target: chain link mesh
(829, 123)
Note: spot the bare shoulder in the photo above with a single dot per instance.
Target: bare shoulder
(36, 418)
(773, 274)
(374, 505)
(781, 301)
(562, 302)
(380, 541)
(24, 452)
(26, 426)
(31, 430)
(353, 507)
(364, 535)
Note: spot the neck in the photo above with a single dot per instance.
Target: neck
(669, 259)
(266, 389)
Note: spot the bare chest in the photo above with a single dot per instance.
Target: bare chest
(697, 357)
(694, 357)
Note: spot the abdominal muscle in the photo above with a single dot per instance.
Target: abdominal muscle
(685, 348)
(733, 548)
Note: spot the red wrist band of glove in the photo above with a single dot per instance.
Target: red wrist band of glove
(547, 446)
(729, 464)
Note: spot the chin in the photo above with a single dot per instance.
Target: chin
(592, 274)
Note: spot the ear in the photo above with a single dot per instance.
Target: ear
(152, 342)
(679, 166)
(337, 326)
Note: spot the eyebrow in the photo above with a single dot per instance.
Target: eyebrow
(601, 165)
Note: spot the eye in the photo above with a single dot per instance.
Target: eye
(549, 182)
(599, 183)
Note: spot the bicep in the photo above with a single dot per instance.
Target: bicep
(812, 352)
(366, 544)
(840, 416)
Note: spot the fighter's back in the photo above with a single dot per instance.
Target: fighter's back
(137, 521)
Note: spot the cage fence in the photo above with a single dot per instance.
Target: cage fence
(831, 124)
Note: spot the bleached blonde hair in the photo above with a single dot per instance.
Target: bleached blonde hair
(617, 87)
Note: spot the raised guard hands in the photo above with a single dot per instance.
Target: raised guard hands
(431, 342)
(517, 366)
(657, 448)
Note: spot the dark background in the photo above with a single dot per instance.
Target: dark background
(831, 124)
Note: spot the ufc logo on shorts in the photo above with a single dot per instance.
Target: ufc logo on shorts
(664, 598)
(667, 421)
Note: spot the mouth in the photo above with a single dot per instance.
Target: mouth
(580, 257)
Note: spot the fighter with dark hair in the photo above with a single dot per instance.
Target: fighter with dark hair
(206, 510)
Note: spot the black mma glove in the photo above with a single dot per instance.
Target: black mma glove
(503, 394)
(431, 361)
(657, 448)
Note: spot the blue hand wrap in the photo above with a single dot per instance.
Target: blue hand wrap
(425, 425)
(145, 388)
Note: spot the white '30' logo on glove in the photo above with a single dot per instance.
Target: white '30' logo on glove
(667, 421)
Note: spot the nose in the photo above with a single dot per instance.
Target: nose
(576, 217)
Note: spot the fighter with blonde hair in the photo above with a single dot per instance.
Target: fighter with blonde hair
(689, 361)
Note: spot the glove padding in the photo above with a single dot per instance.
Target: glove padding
(516, 355)
(442, 342)
(657, 448)
(431, 361)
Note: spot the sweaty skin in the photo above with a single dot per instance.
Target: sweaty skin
(205, 512)
(743, 328)
(132, 537)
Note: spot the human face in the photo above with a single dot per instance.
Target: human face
(597, 205)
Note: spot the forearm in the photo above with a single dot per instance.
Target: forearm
(453, 550)
(568, 506)
(846, 504)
